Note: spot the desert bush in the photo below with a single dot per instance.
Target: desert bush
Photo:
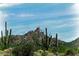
(38, 52)
(24, 49)
(43, 53)
(62, 49)
(8, 52)
(70, 52)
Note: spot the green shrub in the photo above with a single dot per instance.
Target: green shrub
(45, 53)
(24, 49)
(41, 53)
(70, 52)
(62, 49)
(38, 53)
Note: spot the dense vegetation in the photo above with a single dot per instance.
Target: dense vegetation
(35, 43)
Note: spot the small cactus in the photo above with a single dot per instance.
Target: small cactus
(50, 39)
(2, 39)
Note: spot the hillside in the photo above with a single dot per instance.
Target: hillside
(75, 43)
(35, 34)
(36, 42)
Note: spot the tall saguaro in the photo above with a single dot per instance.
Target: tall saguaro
(6, 29)
(6, 34)
(56, 44)
(6, 38)
(46, 39)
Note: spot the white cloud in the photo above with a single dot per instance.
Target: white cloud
(2, 5)
(24, 15)
(58, 23)
(2, 19)
(75, 9)
(19, 15)
(4, 15)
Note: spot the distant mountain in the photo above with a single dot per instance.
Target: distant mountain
(75, 43)
(31, 35)
(34, 35)
(38, 34)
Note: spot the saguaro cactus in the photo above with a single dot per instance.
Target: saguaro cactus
(2, 39)
(5, 39)
(6, 34)
(46, 39)
(42, 43)
(9, 37)
(56, 44)
(50, 39)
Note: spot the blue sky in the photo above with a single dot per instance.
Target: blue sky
(58, 18)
